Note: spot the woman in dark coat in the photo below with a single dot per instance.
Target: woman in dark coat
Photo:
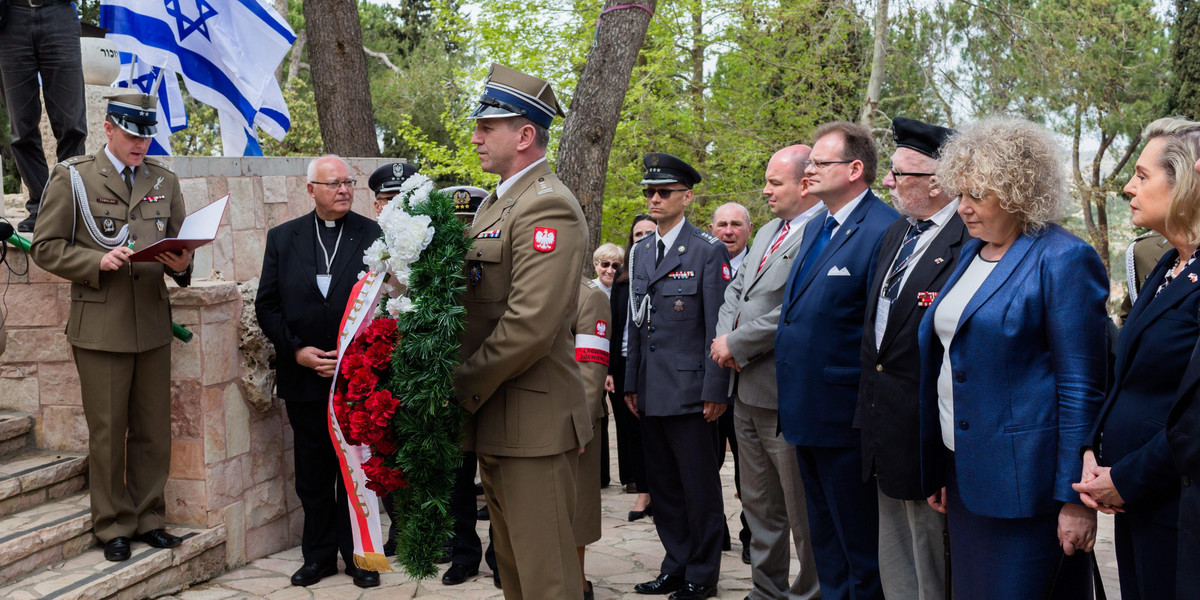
(631, 463)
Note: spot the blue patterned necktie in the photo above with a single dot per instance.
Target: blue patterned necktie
(896, 277)
(815, 250)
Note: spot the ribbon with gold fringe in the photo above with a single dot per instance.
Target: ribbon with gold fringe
(364, 504)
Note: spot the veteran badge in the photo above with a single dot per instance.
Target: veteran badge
(679, 305)
(108, 226)
(475, 273)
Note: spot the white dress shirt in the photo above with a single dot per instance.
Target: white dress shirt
(507, 183)
(883, 306)
(945, 325)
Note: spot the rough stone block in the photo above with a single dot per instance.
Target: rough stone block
(187, 459)
(266, 448)
(205, 293)
(39, 305)
(214, 399)
(274, 189)
(214, 437)
(20, 390)
(264, 503)
(185, 501)
(37, 345)
(234, 517)
(245, 203)
(195, 193)
(221, 312)
(248, 255)
(58, 384)
(186, 409)
(224, 483)
(62, 428)
(222, 257)
(217, 187)
(218, 344)
(186, 361)
(185, 315)
(237, 423)
(202, 263)
(267, 539)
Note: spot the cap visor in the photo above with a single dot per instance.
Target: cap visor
(144, 131)
(491, 112)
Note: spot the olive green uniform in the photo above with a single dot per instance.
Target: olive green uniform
(1141, 256)
(120, 332)
(592, 355)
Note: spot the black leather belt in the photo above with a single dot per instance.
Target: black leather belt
(36, 3)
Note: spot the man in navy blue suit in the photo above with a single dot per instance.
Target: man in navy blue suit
(817, 358)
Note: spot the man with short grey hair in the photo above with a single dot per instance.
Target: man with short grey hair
(772, 493)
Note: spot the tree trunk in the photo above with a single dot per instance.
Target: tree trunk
(696, 87)
(339, 77)
(875, 83)
(596, 107)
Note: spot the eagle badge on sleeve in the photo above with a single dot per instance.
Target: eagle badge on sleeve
(601, 329)
(726, 273)
(544, 239)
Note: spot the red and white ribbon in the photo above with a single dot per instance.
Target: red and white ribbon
(364, 504)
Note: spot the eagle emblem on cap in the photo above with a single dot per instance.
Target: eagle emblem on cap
(462, 200)
(652, 159)
(398, 170)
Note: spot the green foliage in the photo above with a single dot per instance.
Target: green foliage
(1185, 60)
(429, 421)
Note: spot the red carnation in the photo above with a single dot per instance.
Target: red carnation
(362, 383)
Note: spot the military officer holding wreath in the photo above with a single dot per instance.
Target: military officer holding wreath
(677, 281)
(97, 210)
(518, 379)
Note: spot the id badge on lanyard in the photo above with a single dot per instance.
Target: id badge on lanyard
(323, 284)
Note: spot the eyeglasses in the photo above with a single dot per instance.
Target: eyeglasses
(664, 194)
(334, 185)
(614, 264)
(898, 174)
(821, 164)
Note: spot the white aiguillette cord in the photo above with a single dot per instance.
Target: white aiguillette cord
(636, 313)
(81, 201)
(328, 257)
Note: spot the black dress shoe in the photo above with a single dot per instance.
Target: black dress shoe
(458, 573)
(665, 584)
(631, 488)
(363, 578)
(159, 538)
(745, 554)
(692, 591)
(26, 226)
(589, 594)
(634, 515)
(496, 579)
(483, 514)
(312, 573)
(117, 549)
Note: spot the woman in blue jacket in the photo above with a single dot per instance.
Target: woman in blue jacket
(1127, 467)
(1013, 370)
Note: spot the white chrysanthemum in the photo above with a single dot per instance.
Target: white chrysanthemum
(416, 189)
(396, 306)
(375, 256)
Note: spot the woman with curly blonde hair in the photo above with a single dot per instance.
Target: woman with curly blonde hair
(1013, 370)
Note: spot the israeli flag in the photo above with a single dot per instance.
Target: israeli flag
(172, 116)
(226, 50)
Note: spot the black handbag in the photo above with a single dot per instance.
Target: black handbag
(1097, 583)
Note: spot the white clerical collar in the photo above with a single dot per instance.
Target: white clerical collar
(668, 240)
(508, 183)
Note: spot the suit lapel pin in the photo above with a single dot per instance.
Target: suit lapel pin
(937, 261)
(926, 298)
(682, 248)
(1192, 277)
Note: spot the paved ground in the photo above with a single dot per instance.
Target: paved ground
(629, 553)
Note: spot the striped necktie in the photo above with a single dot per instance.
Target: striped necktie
(778, 242)
(894, 279)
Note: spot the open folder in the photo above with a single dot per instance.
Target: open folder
(198, 229)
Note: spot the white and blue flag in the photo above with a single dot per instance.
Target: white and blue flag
(172, 116)
(226, 50)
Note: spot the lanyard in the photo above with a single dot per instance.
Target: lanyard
(328, 257)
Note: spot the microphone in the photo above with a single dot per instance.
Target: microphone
(6, 231)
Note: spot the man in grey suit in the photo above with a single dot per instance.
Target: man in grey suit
(677, 281)
(772, 493)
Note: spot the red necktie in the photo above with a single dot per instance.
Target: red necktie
(778, 241)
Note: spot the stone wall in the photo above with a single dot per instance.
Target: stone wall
(230, 463)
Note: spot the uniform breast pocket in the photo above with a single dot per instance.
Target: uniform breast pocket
(156, 215)
(487, 280)
(109, 218)
(681, 299)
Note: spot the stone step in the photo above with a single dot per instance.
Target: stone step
(45, 534)
(37, 477)
(149, 572)
(14, 433)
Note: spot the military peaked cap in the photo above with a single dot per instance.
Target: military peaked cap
(390, 177)
(511, 93)
(920, 137)
(135, 113)
(662, 168)
(467, 199)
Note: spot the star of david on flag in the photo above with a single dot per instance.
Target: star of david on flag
(225, 50)
(172, 116)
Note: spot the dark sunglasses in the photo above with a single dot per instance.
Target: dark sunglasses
(664, 194)
(615, 264)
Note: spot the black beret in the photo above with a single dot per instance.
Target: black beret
(662, 168)
(390, 177)
(467, 198)
(921, 137)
